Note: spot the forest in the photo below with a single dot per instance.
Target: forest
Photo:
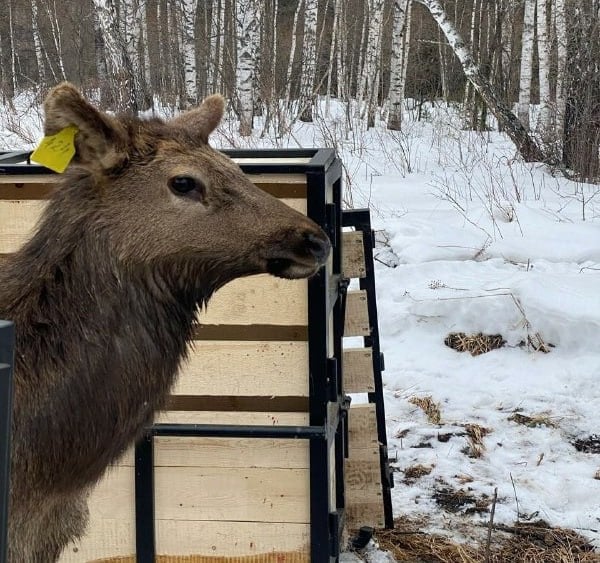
(530, 68)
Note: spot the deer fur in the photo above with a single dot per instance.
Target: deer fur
(104, 297)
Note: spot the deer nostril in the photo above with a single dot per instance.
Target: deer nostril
(318, 246)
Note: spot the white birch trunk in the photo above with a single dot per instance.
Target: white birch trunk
(189, 8)
(37, 44)
(333, 53)
(143, 15)
(13, 51)
(288, 93)
(560, 22)
(217, 16)
(507, 120)
(544, 50)
(247, 29)
(526, 62)
(56, 37)
(372, 67)
(397, 63)
(362, 82)
(309, 60)
(508, 21)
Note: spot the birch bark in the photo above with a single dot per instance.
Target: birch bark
(309, 61)
(37, 44)
(560, 22)
(398, 61)
(544, 51)
(189, 8)
(524, 143)
(247, 29)
(372, 66)
(526, 62)
(288, 92)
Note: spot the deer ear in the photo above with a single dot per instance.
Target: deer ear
(203, 120)
(100, 142)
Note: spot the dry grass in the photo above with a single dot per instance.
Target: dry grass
(431, 409)
(522, 543)
(533, 421)
(475, 434)
(476, 344)
(414, 472)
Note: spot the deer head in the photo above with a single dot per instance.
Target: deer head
(166, 201)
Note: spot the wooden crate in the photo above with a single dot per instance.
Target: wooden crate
(227, 498)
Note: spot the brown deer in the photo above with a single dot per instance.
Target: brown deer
(147, 222)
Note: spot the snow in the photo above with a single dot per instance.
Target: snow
(479, 242)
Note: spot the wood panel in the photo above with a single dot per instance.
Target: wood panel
(357, 314)
(18, 219)
(195, 541)
(245, 494)
(261, 299)
(353, 257)
(223, 417)
(364, 492)
(358, 370)
(226, 453)
(245, 368)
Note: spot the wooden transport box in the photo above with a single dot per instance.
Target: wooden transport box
(261, 357)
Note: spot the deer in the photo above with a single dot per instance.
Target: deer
(145, 224)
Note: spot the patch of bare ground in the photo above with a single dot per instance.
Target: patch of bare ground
(533, 542)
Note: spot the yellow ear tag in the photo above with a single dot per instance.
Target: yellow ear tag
(56, 151)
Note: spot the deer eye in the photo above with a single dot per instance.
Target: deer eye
(182, 185)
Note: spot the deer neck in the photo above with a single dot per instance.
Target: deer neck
(98, 348)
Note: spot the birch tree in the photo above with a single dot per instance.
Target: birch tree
(372, 66)
(526, 62)
(56, 36)
(121, 77)
(189, 8)
(560, 23)
(290, 68)
(544, 51)
(309, 60)
(513, 127)
(247, 29)
(399, 61)
(37, 43)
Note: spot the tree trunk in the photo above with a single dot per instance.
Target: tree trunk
(400, 49)
(247, 28)
(544, 51)
(526, 62)
(37, 44)
(560, 22)
(56, 36)
(288, 92)
(189, 51)
(525, 144)
(309, 61)
(372, 66)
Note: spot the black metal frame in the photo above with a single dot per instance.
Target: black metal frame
(327, 406)
(7, 343)
(360, 219)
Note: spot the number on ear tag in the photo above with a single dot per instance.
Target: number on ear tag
(56, 151)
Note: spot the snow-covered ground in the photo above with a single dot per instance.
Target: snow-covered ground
(474, 240)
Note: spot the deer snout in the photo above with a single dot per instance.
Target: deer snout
(317, 245)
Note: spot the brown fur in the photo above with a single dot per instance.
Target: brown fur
(104, 297)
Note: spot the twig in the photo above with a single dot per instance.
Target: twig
(491, 527)
(516, 497)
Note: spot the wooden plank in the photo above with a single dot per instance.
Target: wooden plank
(18, 219)
(210, 494)
(358, 370)
(353, 256)
(226, 453)
(261, 299)
(223, 417)
(245, 368)
(195, 541)
(236, 403)
(362, 426)
(356, 322)
(253, 332)
(360, 514)
(28, 189)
